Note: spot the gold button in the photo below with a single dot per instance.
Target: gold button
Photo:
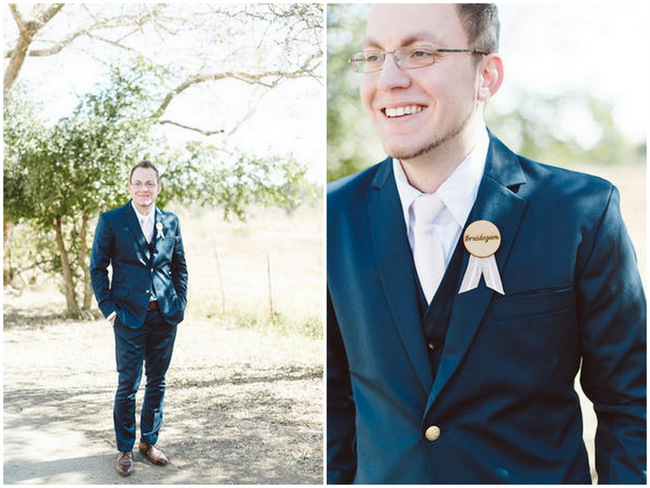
(432, 346)
(146, 291)
(432, 433)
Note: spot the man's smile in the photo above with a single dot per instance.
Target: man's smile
(392, 112)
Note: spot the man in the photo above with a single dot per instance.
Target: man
(468, 285)
(144, 302)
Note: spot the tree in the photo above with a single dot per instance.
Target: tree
(566, 129)
(58, 175)
(59, 178)
(27, 30)
(261, 45)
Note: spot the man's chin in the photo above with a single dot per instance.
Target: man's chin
(404, 146)
(406, 153)
(144, 204)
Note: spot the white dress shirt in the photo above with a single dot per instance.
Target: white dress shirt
(458, 193)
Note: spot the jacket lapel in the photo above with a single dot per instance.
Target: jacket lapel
(497, 202)
(396, 269)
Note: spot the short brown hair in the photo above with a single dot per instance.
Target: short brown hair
(481, 23)
(145, 163)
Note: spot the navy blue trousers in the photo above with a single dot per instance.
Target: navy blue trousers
(151, 345)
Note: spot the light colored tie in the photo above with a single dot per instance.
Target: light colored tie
(427, 250)
(146, 229)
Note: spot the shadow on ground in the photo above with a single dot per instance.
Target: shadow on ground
(228, 420)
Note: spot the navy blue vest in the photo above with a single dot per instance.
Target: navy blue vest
(152, 249)
(435, 316)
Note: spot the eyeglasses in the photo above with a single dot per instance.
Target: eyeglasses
(406, 58)
(149, 185)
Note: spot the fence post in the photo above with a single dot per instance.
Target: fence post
(268, 272)
(223, 293)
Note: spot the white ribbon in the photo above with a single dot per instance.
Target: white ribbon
(160, 230)
(481, 266)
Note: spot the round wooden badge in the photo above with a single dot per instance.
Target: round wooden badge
(482, 238)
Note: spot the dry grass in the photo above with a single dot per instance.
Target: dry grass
(230, 264)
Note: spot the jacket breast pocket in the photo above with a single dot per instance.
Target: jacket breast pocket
(166, 245)
(534, 339)
(538, 303)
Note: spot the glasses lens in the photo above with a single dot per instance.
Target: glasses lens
(357, 62)
(407, 58)
(373, 61)
(367, 62)
(416, 57)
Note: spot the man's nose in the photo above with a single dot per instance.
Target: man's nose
(391, 75)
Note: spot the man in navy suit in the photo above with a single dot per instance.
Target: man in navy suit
(144, 301)
(467, 285)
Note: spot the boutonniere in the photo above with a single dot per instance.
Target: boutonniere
(159, 228)
(482, 239)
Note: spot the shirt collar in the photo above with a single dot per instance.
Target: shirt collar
(147, 217)
(458, 192)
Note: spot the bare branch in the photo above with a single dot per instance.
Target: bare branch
(274, 78)
(291, 30)
(86, 31)
(57, 48)
(195, 129)
(46, 15)
(27, 31)
(113, 43)
(20, 22)
(252, 105)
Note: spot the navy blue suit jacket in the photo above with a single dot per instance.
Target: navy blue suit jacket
(503, 396)
(119, 241)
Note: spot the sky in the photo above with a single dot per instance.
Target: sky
(600, 47)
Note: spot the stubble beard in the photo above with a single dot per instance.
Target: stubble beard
(437, 141)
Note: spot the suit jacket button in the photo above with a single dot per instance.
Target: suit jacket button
(432, 433)
(151, 270)
(431, 346)
(146, 291)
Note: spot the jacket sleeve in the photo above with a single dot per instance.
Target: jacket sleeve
(100, 258)
(178, 266)
(341, 452)
(612, 314)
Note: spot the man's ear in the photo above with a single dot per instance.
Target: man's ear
(490, 76)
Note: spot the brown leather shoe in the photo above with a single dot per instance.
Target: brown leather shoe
(124, 464)
(153, 454)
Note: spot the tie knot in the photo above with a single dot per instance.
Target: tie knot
(426, 208)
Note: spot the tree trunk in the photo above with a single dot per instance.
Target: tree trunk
(27, 29)
(68, 282)
(83, 251)
(7, 270)
(16, 62)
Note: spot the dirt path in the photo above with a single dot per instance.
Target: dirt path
(242, 406)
